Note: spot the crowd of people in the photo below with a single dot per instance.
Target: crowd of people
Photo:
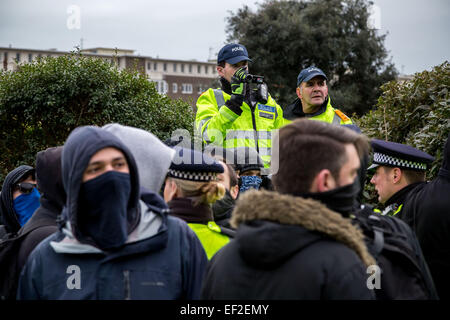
(271, 210)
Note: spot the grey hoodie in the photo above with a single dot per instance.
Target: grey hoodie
(153, 157)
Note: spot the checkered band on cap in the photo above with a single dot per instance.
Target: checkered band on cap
(384, 159)
(193, 176)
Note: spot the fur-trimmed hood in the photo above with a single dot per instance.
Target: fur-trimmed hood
(262, 241)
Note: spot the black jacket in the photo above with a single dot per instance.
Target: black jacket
(286, 248)
(427, 212)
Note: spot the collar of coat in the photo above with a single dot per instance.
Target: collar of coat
(308, 213)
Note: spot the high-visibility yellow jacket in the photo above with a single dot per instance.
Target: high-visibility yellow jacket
(210, 236)
(326, 113)
(219, 125)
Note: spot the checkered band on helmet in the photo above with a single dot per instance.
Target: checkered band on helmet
(193, 176)
(384, 159)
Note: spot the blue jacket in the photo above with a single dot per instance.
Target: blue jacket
(161, 259)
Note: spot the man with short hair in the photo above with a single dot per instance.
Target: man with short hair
(313, 100)
(298, 242)
(239, 113)
(399, 170)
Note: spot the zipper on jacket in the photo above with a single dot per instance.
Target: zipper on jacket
(126, 284)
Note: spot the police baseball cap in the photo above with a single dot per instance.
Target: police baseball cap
(392, 154)
(233, 53)
(309, 73)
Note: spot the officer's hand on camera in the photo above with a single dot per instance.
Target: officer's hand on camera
(238, 89)
(238, 81)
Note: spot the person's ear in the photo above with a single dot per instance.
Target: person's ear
(234, 191)
(299, 92)
(324, 181)
(220, 71)
(396, 175)
(170, 190)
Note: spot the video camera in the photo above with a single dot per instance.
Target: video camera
(254, 79)
(261, 92)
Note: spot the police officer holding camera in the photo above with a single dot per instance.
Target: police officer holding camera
(241, 113)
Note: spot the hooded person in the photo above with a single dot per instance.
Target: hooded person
(18, 202)
(44, 221)
(111, 244)
(152, 156)
(426, 211)
(297, 242)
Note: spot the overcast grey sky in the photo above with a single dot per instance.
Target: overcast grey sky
(418, 31)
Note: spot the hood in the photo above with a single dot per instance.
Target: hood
(8, 216)
(269, 227)
(81, 145)
(153, 157)
(49, 178)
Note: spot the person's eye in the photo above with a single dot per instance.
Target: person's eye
(93, 170)
(120, 164)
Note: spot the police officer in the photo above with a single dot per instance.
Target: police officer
(399, 169)
(239, 113)
(191, 188)
(313, 101)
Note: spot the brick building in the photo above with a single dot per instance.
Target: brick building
(185, 79)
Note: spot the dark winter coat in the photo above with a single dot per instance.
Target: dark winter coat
(427, 211)
(289, 247)
(161, 259)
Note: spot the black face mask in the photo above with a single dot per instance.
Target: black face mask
(223, 206)
(102, 214)
(342, 199)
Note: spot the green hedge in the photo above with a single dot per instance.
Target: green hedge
(42, 102)
(414, 112)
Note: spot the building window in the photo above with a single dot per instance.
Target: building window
(186, 88)
(174, 67)
(174, 87)
(155, 66)
(206, 69)
(162, 86)
(165, 66)
(30, 57)
(18, 57)
(149, 66)
(190, 68)
(199, 69)
(182, 67)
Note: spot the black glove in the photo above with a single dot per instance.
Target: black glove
(238, 90)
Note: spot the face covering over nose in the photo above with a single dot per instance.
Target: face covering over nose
(25, 205)
(249, 182)
(102, 213)
(342, 199)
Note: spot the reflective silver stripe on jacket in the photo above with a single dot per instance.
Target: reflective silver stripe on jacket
(218, 94)
(201, 123)
(336, 119)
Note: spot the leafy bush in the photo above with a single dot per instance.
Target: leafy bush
(42, 102)
(414, 112)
